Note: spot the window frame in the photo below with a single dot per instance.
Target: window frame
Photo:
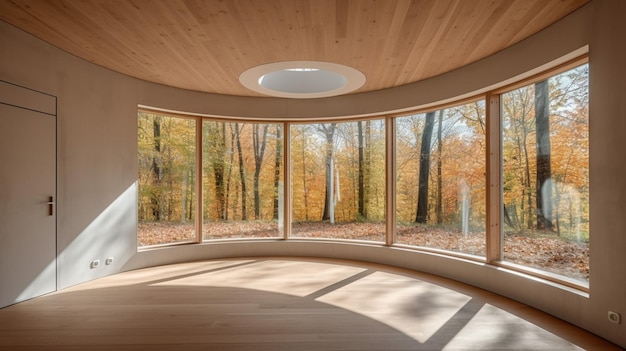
(197, 182)
(494, 234)
(437, 108)
(495, 211)
(382, 118)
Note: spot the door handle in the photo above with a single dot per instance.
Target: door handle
(50, 205)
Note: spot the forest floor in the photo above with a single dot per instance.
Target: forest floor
(546, 252)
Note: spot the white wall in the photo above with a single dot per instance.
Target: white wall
(97, 160)
(607, 93)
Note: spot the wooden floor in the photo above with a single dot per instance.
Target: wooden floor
(282, 304)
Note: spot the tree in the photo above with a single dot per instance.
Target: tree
(217, 141)
(518, 125)
(155, 199)
(229, 175)
(166, 171)
(307, 173)
(328, 130)
(439, 204)
(408, 135)
(367, 176)
(544, 174)
(277, 163)
(364, 161)
(424, 169)
(258, 144)
(242, 178)
(569, 149)
(305, 190)
(361, 175)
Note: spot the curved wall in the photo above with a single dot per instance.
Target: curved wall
(97, 145)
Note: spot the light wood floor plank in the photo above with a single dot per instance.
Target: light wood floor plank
(282, 304)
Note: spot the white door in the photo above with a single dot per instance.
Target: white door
(27, 209)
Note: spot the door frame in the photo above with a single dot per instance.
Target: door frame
(23, 97)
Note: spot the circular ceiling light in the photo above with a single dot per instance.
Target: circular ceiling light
(302, 79)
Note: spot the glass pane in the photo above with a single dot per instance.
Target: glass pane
(242, 180)
(545, 155)
(338, 180)
(440, 185)
(167, 155)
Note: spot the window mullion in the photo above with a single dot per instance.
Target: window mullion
(494, 180)
(390, 154)
(198, 173)
(287, 206)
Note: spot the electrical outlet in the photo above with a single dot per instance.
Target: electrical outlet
(614, 317)
(109, 261)
(95, 264)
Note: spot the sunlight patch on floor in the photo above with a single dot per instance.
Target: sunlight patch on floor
(148, 275)
(416, 308)
(285, 277)
(492, 328)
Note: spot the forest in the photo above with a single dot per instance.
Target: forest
(338, 177)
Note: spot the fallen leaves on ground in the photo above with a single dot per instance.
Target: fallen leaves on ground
(547, 252)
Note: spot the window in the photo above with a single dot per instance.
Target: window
(166, 179)
(440, 181)
(338, 186)
(242, 180)
(338, 180)
(545, 174)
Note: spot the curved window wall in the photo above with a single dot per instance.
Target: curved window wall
(418, 180)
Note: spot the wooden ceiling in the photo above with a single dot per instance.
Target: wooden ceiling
(206, 45)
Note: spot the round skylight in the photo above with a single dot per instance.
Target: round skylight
(302, 79)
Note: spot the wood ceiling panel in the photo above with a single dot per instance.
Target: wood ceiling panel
(206, 45)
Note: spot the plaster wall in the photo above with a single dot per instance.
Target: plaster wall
(96, 161)
(96, 180)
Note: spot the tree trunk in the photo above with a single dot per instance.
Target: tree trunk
(527, 185)
(156, 170)
(279, 147)
(229, 175)
(329, 133)
(367, 191)
(361, 192)
(259, 143)
(439, 206)
(306, 193)
(244, 209)
(422, 196)
(507, 217)
(190, 211)
(183, 202)
(219, 144)
(544, 173)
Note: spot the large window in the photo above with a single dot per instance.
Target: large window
(440, 181)
(338, 180)
(206, 179)
(545, 172)
(166, 165)
(241, 180)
